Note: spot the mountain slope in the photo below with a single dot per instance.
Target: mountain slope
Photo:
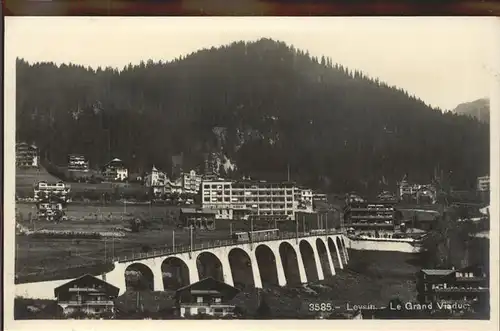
(479, 109)
(263, 105)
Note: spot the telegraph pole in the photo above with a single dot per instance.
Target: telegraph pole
(250, 234)
(297, 229)
(191, 238)
(173, 239)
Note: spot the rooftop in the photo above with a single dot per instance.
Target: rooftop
(210, 284)
(86, 279)
(437, 272)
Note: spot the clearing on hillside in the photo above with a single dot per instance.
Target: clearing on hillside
(29, 177)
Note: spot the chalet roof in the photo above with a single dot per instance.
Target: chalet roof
(437, 272)
(485, 210)
(26, 144)
(88, 277)
(210, 283)
(115, 160)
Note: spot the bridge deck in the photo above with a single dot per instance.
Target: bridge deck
(217, 243)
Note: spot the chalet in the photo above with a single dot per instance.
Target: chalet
(156, 180)
(208, 296)
(115, 170)
(467, 286)
(77, 162)
(303, 199)
(174, 186)
(483, 183)
(27, 156)
(416, 192)
(45, 192)
(87, 294)
(199, 218)
(320, 197)
(50, 211)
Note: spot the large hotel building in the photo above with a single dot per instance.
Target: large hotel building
(239, 199)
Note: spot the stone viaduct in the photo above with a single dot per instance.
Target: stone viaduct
(292, 259)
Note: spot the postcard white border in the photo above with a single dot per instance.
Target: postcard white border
(9, 219)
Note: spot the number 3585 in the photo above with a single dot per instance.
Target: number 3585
(320, 307)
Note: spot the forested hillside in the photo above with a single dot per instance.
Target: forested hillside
(263, 104)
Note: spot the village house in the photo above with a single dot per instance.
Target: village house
(157, 181)
(416, 192)
(198, 218)
(208, 296)
(87, 294)
(44, 192)
(27, 156)
(319, 197)
(51, 200)
(115, 170)
(303, 200)
(191, 182)
(174, 186)
(77, 162)
(483, 183)
(466, 287)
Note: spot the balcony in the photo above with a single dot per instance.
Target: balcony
(87, 303)
(371, 217)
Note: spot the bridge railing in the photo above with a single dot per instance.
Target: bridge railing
(179, 249)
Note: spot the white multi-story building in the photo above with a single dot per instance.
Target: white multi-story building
(156, 180)
(483, 183)
(234, 200)
(191, 182)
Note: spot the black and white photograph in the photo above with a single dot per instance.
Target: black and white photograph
(200, 168)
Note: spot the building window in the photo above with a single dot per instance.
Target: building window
(199, 299)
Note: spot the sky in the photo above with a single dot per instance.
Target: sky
(443, 61)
